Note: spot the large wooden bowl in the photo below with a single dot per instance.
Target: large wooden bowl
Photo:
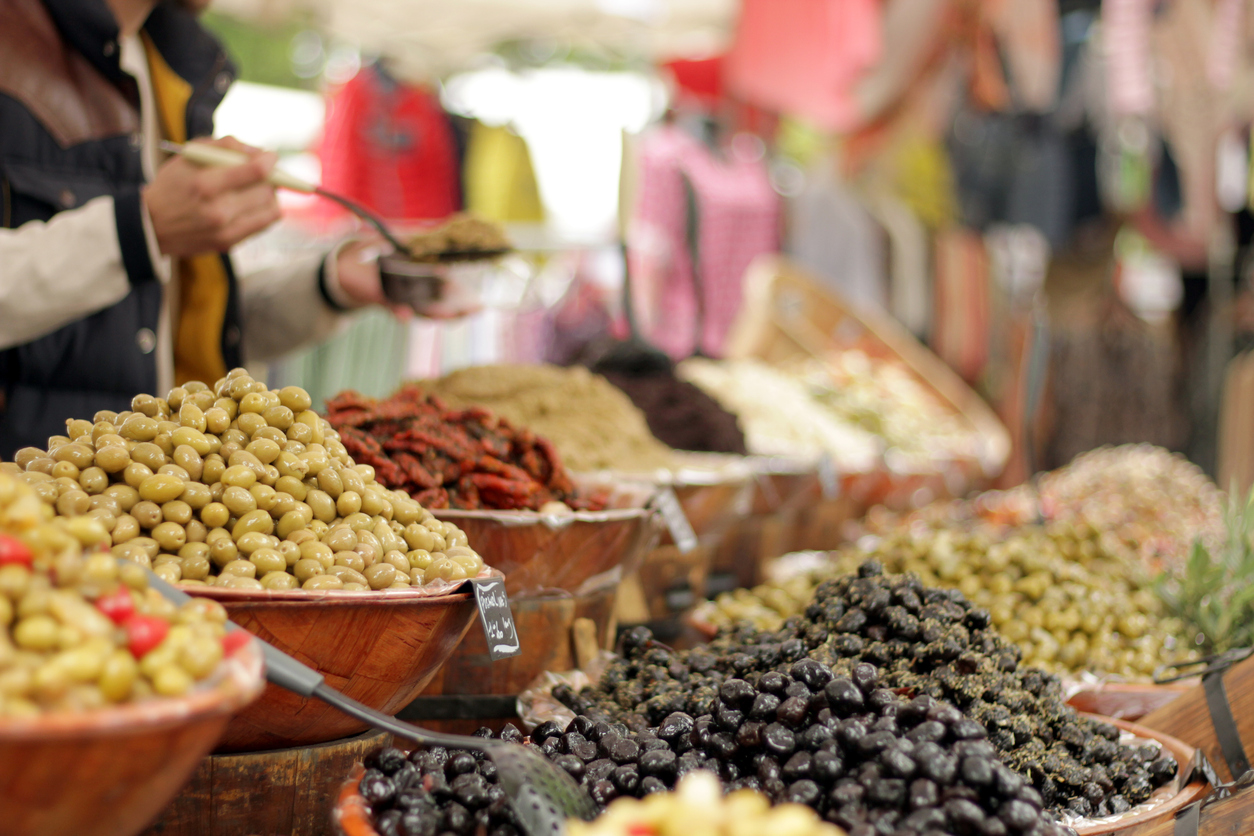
(352, 813)
(713, 488)
(110, 772)
(1126, 700)
(380, 648)
(576, 553)
(1150, 821)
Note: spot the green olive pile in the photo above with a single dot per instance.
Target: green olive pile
(240, 486)
(1055, 591)
(82, 631)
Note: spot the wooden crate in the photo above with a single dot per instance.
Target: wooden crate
(289, 791)
(788, 314)
(1188, 717)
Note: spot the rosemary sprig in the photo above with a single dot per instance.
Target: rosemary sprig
(1214, 594)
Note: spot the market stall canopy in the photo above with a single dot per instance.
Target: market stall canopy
(434, 36)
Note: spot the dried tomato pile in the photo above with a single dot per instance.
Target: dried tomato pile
(446, 458)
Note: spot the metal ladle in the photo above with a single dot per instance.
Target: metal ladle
(542, 794)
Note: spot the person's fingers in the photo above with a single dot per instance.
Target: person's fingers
(213, 181)
(404, 313)
(247, 200)
(247, 225)
(235, 145)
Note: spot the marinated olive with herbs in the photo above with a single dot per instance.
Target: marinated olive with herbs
(81, 630)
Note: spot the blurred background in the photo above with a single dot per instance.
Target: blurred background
(1052, 194)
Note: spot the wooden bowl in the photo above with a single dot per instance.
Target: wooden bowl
(352, 814)
(576, 552)
(287, 791)
(782, 483)
(713, 488)
(110, 772)
(380, 648)
(1126, 700)
(473, 691)
(1151, 821)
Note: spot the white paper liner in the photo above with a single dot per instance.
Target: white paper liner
(536, 703)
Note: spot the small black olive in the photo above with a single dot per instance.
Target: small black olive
(389, 760)
(377, 788)
(459, 763)
(803, 791)
(659, 762)
(650, 785)
(764, 706)
(572, 765)
(779, 740)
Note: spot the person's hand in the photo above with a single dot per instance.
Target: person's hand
(357, 268)
(197, 209)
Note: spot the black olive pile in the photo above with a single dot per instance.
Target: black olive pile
(437, 790)
(862, 756)
(924, 643)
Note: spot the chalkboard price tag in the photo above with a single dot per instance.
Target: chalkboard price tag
(829, 479)
(677, 521)
(496, 618)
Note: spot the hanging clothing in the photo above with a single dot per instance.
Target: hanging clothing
(804, 57)
(738, 220)
(500, 181)
(831, 234)
(389, 146)
(960, 332)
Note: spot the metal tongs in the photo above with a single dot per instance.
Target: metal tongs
(1216, 662)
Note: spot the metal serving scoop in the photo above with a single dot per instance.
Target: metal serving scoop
(542, 794)
(212, 155)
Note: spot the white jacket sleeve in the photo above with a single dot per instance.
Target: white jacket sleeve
(290, 306)
(55, 272)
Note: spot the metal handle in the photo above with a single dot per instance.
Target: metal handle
(286, 672)
(212, 155)
(281, 669)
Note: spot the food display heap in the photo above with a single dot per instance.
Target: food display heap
(239, 486)
(1074, 590)
(853, 407)
(779, 415)
(446, 458)
(887, 708)
(81, 631)
(889, 632)
(680, 414)
(592, 423)
(1145, 501)
(884, 398)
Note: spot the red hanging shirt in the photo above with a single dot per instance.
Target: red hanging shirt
(390, 147)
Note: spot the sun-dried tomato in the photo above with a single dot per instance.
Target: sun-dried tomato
(464, 458)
